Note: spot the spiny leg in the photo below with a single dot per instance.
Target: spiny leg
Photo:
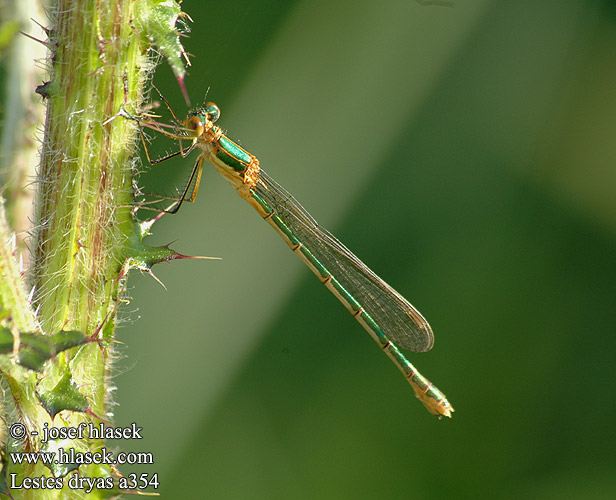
(197, 168)
(154, 161)
(162, 98)
(183, 152)
(179, 123)
(195, 176)
(158, 127)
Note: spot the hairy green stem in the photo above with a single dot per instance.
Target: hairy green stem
(85, 237)
(84, 209)
(84, 199)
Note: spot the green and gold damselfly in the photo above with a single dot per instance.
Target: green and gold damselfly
(388, 317)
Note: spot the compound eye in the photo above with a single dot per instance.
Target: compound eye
(212, 110)
(196, 124)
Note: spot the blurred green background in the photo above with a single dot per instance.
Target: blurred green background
(468, 155)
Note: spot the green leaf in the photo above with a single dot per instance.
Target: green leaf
(143, 257)
(66, 339)
(34, 351)
(156, 20)
(35, 348)
(64, 396)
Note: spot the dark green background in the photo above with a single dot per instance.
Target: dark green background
(466, 154)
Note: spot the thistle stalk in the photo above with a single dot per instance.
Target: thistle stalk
(84, 239)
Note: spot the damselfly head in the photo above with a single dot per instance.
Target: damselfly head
(198, 118)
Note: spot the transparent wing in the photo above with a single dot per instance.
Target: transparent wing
(402, 323)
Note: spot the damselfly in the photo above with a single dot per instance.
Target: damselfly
(388, 317)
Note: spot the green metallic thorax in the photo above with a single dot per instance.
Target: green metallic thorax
(232, 154)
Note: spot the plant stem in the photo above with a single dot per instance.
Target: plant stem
(84, 198)
(85, 239)
(84, 233)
